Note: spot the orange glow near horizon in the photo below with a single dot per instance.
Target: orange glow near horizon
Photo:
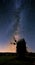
(8, 48)
(11, 48)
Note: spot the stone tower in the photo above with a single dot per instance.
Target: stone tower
(21, 48)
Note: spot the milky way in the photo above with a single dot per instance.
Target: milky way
(26, 25)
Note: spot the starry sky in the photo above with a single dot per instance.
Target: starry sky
(25, 27)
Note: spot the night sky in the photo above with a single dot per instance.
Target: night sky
(8, 22)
